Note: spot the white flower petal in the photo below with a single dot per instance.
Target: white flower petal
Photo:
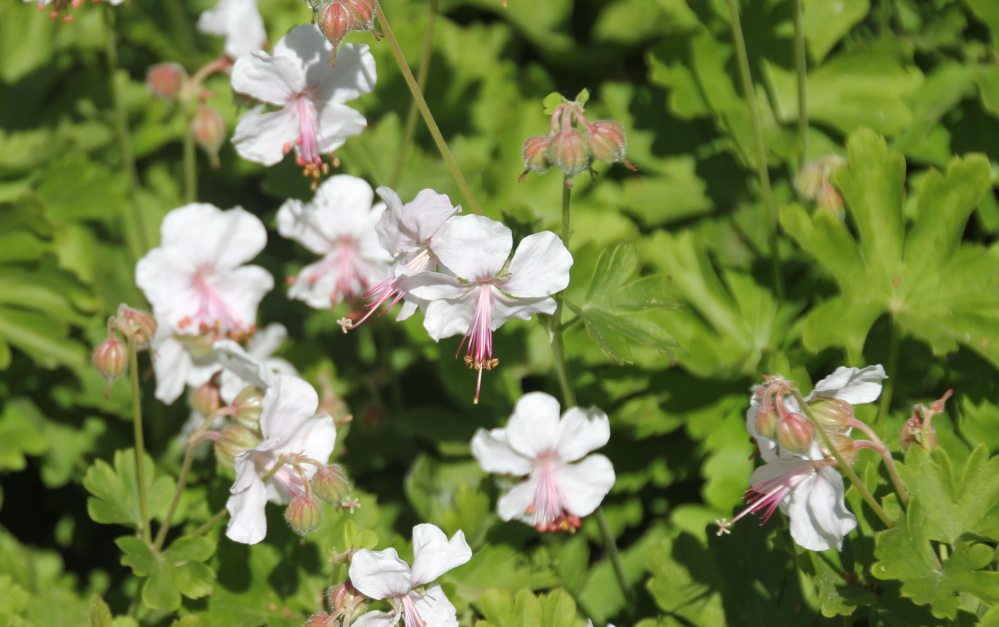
(514, 504)
(434, 555)
(274, 80)
(314, 438)
(853, 385)
(440, 286)
(261, 137)
(267, 341)
(353, 76)
(494, 454)
(247, 522)
(342, 206)
(380, 574)
(533, 427)
(238, 21)
(444, 318)
(473, 247)
(376, 619)
(586, 483)
(296, 221)
(208, 236)
(337, 122)
(435, 608)
(240, 370)
(287, 404)
(540, 267)
(581, 431)
(505, 309)
(170, 363)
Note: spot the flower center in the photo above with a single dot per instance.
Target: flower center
(308, 145)
(548, 508)
(479, 355)
(764, 498)
(342, 264)
(213, 311)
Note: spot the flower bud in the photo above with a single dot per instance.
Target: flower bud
(339, 17)
(248, 406)
(135, 324)
(766, 420)
(535, 159)
(795, 433)
(304, 514)
(200, 345)
(208, 128)
(919, 428)
(846, 447)
(809, 180)
(607, 141)
(832, 414)
(330, 483)
(166, 79)
(206, 399)
(322, 619)
(567, 150)
(233, 440)
(341, 595)
(111, 358)
(830, 200)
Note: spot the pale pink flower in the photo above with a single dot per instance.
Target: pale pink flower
(296, 438)
(339, 224)
(381, 575)
(478, 291)
(308, 95)
(564, 483)
(239, 22)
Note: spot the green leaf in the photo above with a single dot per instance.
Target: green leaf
(827, 22)
(21, 433)
(906, 554)
(556, 609)
(99, 612)
(936, 288)
(987, 12)
(613, 301)
(115, 492)
(551, 102)
(177, 571)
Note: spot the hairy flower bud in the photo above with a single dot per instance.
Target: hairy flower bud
(567, 150)
(248, 406)
(304, 514)
(832, 414)
(166, 79)
(766, 420)
(135, 324)
(919, 429)
(607, 141)
(535, 159)
(341, 595)
(339, 17)
(208, 128)
(829, 199)
(846, 447)
(330, 483)
(322, 619)
(233, 440)
(206, 399)
(795, 433)
(111, 358)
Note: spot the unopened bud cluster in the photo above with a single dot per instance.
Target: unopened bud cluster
(329, 484)
(345, 604)
(110, 358)
(574, 142)
(918, 429)
(813, 183)
(339, 17)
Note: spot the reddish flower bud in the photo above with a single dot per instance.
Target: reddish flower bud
(567, 150)
(339, 17)
(535, 159)
(135, 324)
(166, 79)
(766, 420)
(304, 514)
(322, 619)
(829, 199)
(607, 141)
(206, 399)
(795, 433)
(248, 406)
(331, 484)
(846, 447)
(208, 128)
(919, 429)
(111, 358)
(233, 440)
(832, 414)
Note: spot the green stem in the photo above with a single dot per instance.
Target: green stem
(843, 466)
(615, 557)
(205, 528)
(421, 81)
(760, 148)
(882, 450)
(190, 157)
(425, 110)
(181, 483)
(889, 387)
(134, 221)
(801, 68)
(140, 446)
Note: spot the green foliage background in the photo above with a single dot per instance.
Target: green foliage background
(906, 90)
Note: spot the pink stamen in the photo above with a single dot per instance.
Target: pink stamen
(309, 155)
(411, 616)
(766, 497)
(548, 509)
(392, 287)
(213, 310)
(480, 338)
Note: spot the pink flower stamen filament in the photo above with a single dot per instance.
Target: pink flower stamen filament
(213, 311)
(392, 288)
(411, 616)
(548, 509)
(308, 145)
(479, 355)
(766, 497)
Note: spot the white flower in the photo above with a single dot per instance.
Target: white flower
(407, 233)
(255, 365)
(239, 22)
(853, 385)
(563, 485)
(339, 224)
(810, 493)
(294, 437)
(200, 290)
(309, 95)
(382, 575)
(480, 291)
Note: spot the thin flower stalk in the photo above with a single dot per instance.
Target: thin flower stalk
(422, 73)
(140, 447)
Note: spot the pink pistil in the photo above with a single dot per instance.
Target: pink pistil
(309, 156)
(548, 508)
(479, 355)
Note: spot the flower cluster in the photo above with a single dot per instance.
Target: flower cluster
(336, 18)
(573, 142)
(800, 475)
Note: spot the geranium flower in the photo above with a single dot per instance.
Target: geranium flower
(810, 493)
(239, 22)
(309, 96)
(406, 232)
(296, 439)
(563, 485)
(200, 290)
(339, 224)
(255, 365)
(381, 575)
(479, 291)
